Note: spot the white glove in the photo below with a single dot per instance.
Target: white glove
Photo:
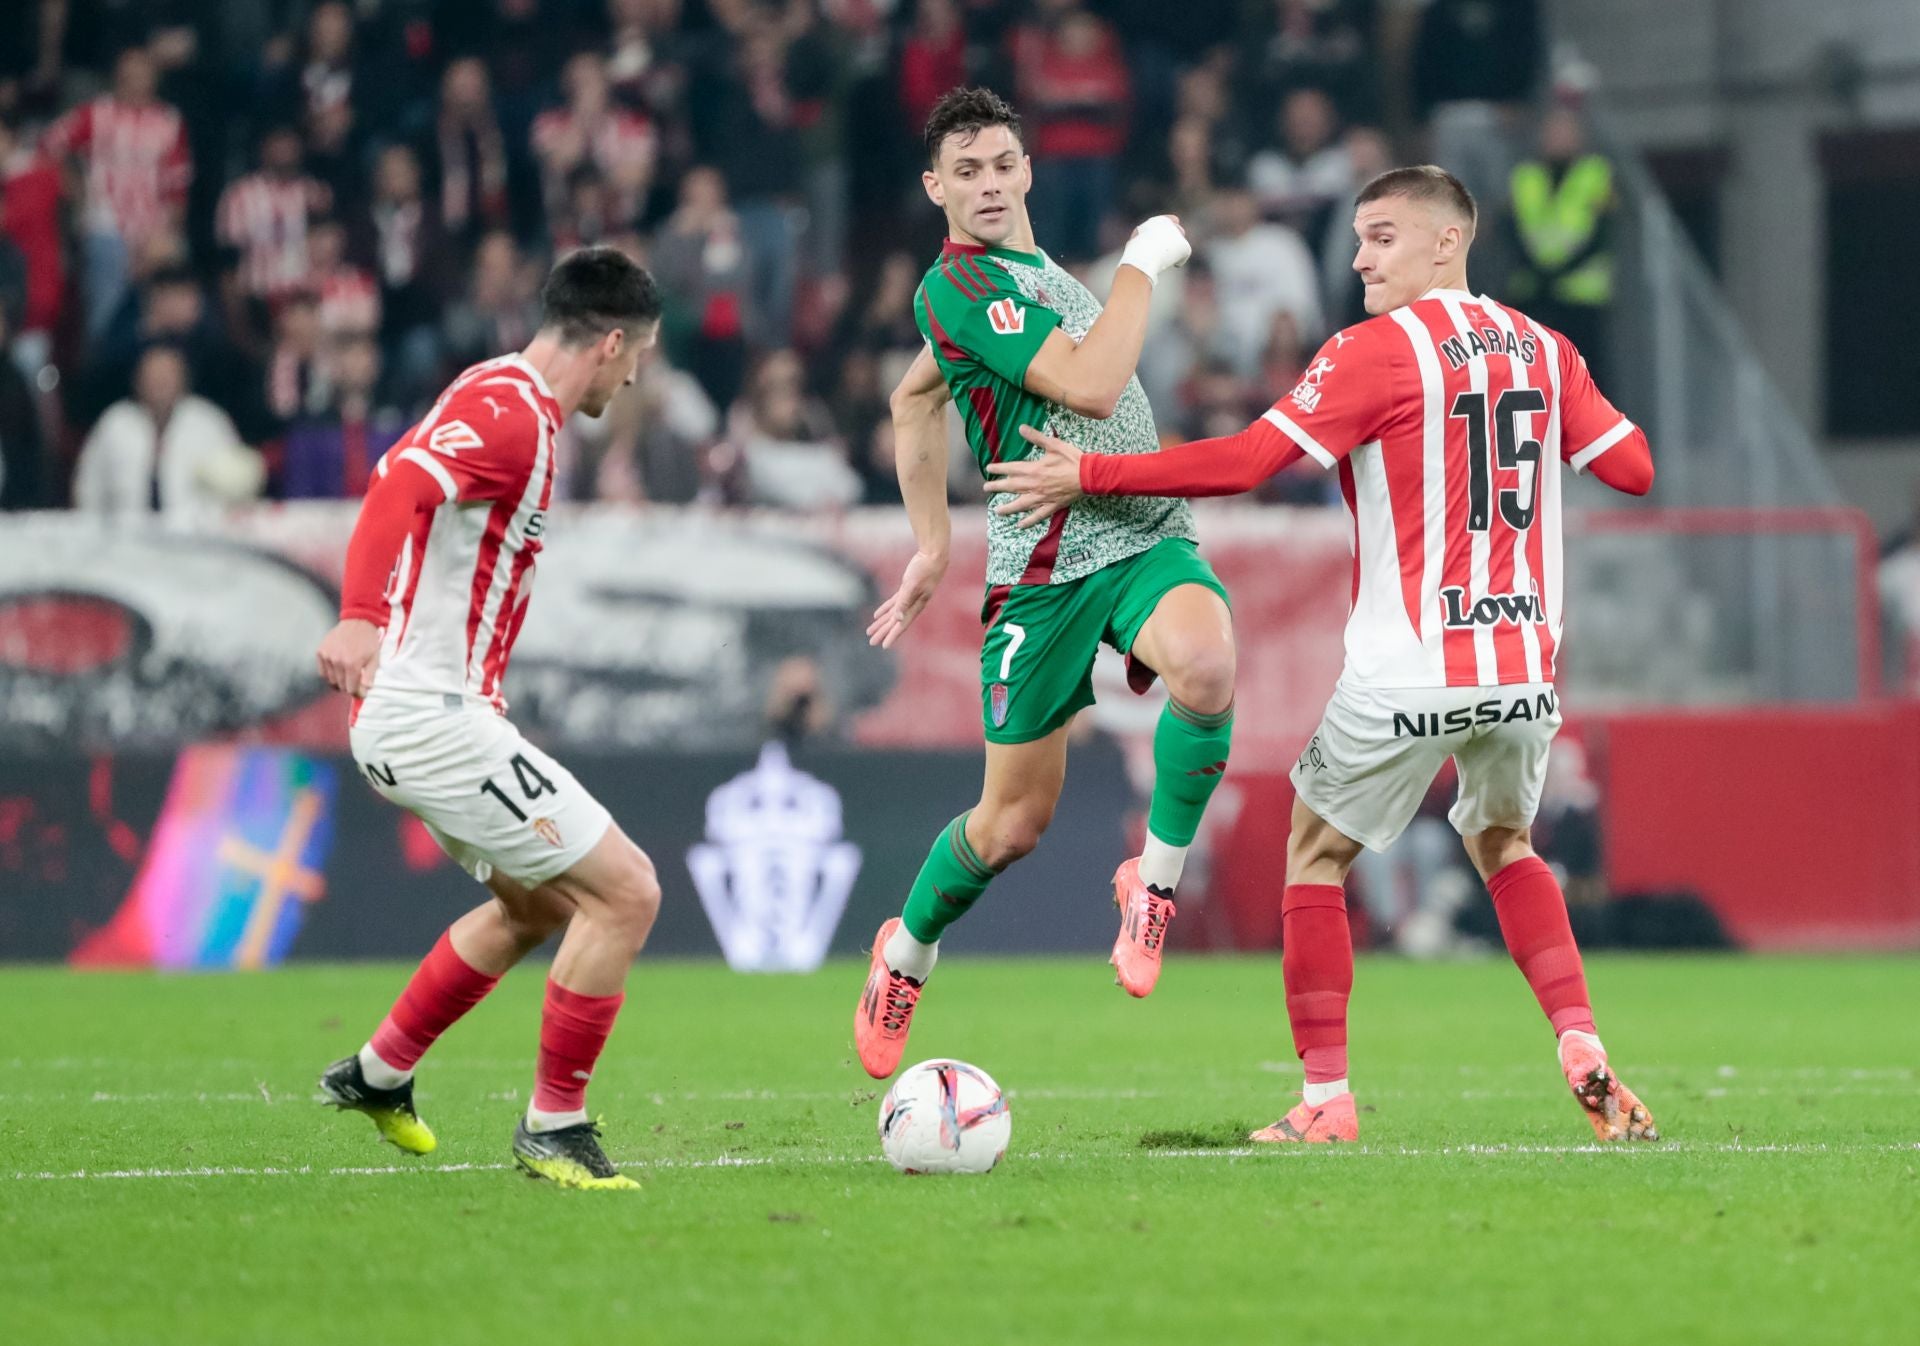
(1157, 245)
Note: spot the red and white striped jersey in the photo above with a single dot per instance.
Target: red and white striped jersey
(349, 300)
(137, 163)
(459, 589)
(265, 219)
(1448, 420)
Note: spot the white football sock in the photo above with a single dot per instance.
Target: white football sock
(553, 1121)
(1315, 1095)
(908, 956)
(378, 1073)
(1161, 863)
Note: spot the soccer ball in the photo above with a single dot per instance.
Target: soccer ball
(944, 1117)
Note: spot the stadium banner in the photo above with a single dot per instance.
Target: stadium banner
(651, 629)
(231, 857)
(171, 788)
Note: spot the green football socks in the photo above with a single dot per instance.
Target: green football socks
(1189, 758)
(947, 885)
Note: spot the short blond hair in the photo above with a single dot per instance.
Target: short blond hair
(1424, 182)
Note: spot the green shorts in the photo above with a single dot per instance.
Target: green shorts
(1036, 658)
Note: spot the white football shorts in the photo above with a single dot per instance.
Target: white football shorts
(493, 801)
(1378, 749)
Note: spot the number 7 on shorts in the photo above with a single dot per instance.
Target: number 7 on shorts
(1015, 634)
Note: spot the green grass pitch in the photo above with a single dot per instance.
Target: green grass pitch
(169, 1177)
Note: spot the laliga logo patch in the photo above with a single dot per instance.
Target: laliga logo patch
(775, 872)
(997, 699)
(1007, 317)
(453, 437)
(1306, 395)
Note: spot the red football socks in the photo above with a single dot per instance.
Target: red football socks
(1317, 963)
(1533, 921)
(573, 1029)
(443, 988)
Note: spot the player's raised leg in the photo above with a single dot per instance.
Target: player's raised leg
(1533, 921)
(1022, 787)
(615, 897)
(1317, 964)
(1188, 640)
(463, 966)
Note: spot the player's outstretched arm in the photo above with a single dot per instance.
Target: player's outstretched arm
(1088, 377)
(1060, 473)
(919, 407)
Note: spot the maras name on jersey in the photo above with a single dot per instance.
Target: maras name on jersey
(1462, 718)
(1490, 340)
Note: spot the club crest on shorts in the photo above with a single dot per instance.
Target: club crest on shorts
(548, 831)
(997, 701)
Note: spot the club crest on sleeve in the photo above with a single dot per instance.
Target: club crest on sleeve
(997, 703)
(1007, 317)
(1306, 394)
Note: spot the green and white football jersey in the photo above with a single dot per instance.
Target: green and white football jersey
(986, 312)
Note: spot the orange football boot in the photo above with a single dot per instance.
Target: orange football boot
(1329, 1122)
(1143, 929)
(885, 1011)
(1612, 1108)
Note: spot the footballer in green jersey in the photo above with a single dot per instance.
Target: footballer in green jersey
(1016, 345)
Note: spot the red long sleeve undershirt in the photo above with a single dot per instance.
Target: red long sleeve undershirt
(1230, 464)
(1628, 465)
(1225, 465)
(392, 509)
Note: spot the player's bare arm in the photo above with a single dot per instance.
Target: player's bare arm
(919, 409)
(1087, 377)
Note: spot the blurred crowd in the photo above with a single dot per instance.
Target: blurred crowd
(243, 243)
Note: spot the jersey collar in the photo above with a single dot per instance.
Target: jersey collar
(525, 366)
(955, 248)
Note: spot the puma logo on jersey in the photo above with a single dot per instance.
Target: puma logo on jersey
(1007, 317)
(453, 436)
(1491, 610)
(1306, 394)
(1462, 718)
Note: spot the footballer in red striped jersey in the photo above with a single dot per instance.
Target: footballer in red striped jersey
(438, 576)
(1448, 416)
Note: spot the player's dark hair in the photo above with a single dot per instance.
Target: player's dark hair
(966, 113)
(594, 290)
(1425, 182)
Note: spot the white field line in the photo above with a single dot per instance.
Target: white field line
(257, 1067)
(858, 1097)
(1056, 1157)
